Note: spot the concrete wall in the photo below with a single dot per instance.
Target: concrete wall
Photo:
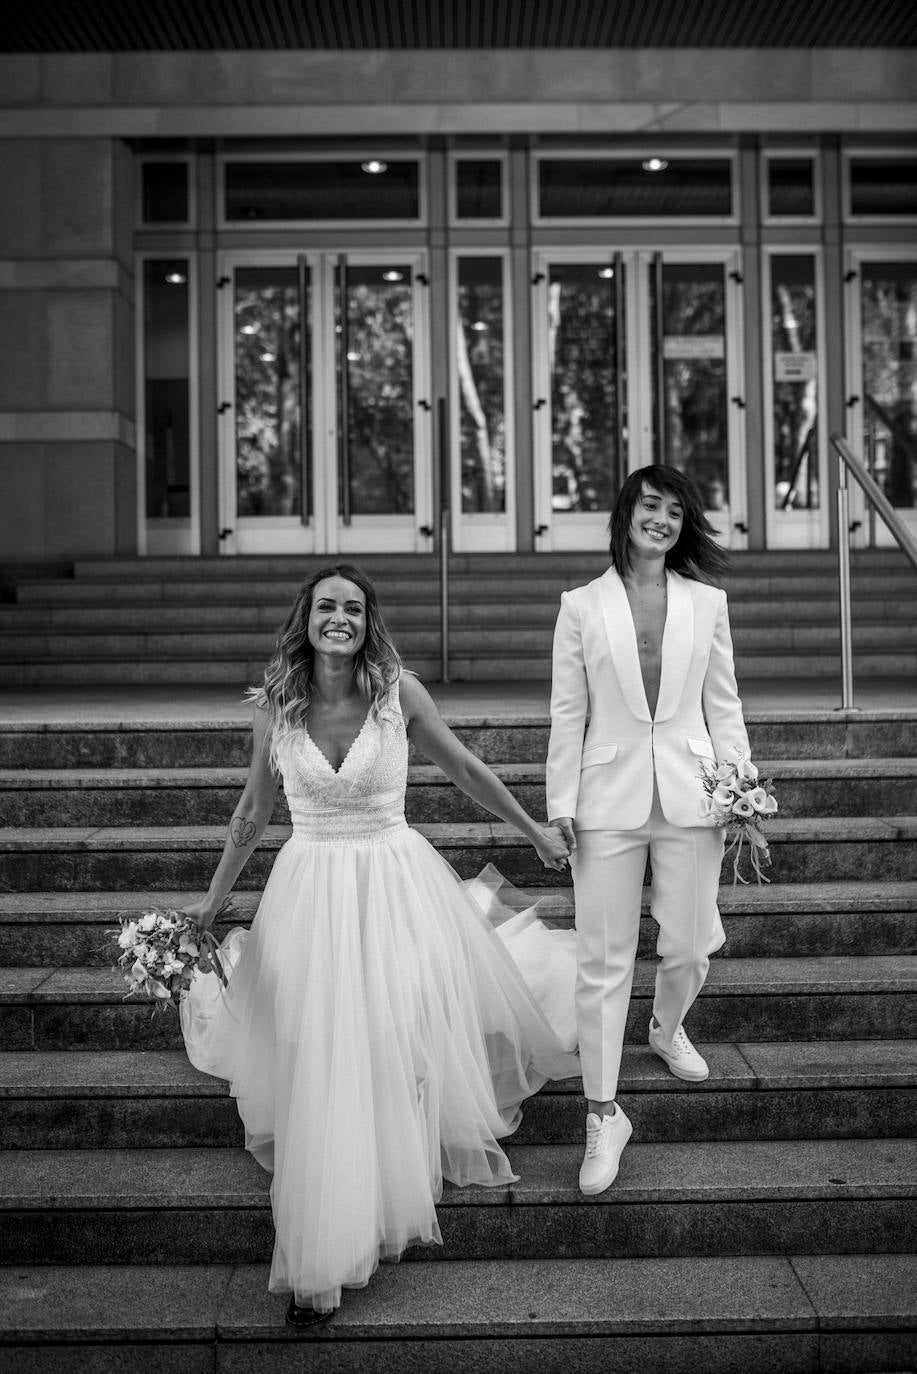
(67, 464)
(573, 92)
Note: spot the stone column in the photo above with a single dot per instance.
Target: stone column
(68, 467)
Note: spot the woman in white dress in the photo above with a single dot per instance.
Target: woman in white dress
(376, 1032)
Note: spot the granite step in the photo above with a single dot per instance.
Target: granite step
(693, 1198)
(523, 634)
(232, 667)
(521, 605)
(841, 918)
(779, 999)
(810, 1090)
(758, 1314)
(207, 796)
(400, 592)
(500, 738)
(88, 858)
(497, 739)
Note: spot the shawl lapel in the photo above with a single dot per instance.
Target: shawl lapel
(622, 642)
(677, 645)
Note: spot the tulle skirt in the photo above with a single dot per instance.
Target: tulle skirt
(382, 1024)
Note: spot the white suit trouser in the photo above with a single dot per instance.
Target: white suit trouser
(608, 871)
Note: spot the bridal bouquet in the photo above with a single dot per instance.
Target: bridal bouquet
(162, 952)
(735, 800)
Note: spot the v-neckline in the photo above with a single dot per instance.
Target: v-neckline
(651, 714)
(350, 748)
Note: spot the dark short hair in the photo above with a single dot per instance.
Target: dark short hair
(696, 553)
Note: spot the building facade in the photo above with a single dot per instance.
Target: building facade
(296, 302)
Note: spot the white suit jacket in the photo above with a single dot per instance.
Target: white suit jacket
(602, 775)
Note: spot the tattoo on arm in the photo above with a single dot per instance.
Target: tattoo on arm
(242, 831)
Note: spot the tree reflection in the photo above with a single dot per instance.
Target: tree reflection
(267, 392)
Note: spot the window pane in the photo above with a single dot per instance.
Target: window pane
(886, 186)
(380, 391)
(322, 190)
(586, 461)
(268, 408)
(694, 376)
(889, 305)
(165, 192)
(480, 346)
(795, 371)
(166, 363)
(791, 186)
(576, 188)
(478, 188)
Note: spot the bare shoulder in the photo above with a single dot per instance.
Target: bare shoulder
(414, 697)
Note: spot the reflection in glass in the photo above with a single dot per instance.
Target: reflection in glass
(323, 190)
(791, 187)
(795, 373)
(268, 405)
(478, 188)
(380, 390)
(694, 376)
(889, 313)
(584, 423)
(883, 186)
(606, 187)
(165, 192)
(479, 351)
(166, 363)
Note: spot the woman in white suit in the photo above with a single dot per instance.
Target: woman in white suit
(643, 688)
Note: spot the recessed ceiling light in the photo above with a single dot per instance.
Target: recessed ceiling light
(353, 357)
(250, 328)
(606, 273)
(267, 357)
(654, 164)
(479, 325)
(393, 275)
(176, 278)
(374, 166)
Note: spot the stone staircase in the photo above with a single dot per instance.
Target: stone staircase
(213, 620)
(760, 1222)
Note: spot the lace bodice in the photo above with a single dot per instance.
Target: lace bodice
(364, 799)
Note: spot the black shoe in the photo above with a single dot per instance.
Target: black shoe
(305, 1316)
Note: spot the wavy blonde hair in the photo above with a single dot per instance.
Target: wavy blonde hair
(287, 690)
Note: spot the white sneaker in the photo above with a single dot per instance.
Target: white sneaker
(680, 1056)
(605, 1141)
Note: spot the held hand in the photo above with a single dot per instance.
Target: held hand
(201, 913)
(552, 847)
(565, 825)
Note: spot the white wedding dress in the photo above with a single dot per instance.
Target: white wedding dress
(377, 1032)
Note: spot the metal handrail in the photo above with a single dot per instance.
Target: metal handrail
(848, 462)
(445, 495)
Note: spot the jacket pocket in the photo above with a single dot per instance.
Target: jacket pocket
(702, 748)
(598, 753)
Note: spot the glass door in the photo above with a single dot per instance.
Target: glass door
(796, 449)
(325, 431)
(882, 384)
(579, 394)
(637, 362)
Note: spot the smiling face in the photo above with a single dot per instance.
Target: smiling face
(337, 619)
(656, 523)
